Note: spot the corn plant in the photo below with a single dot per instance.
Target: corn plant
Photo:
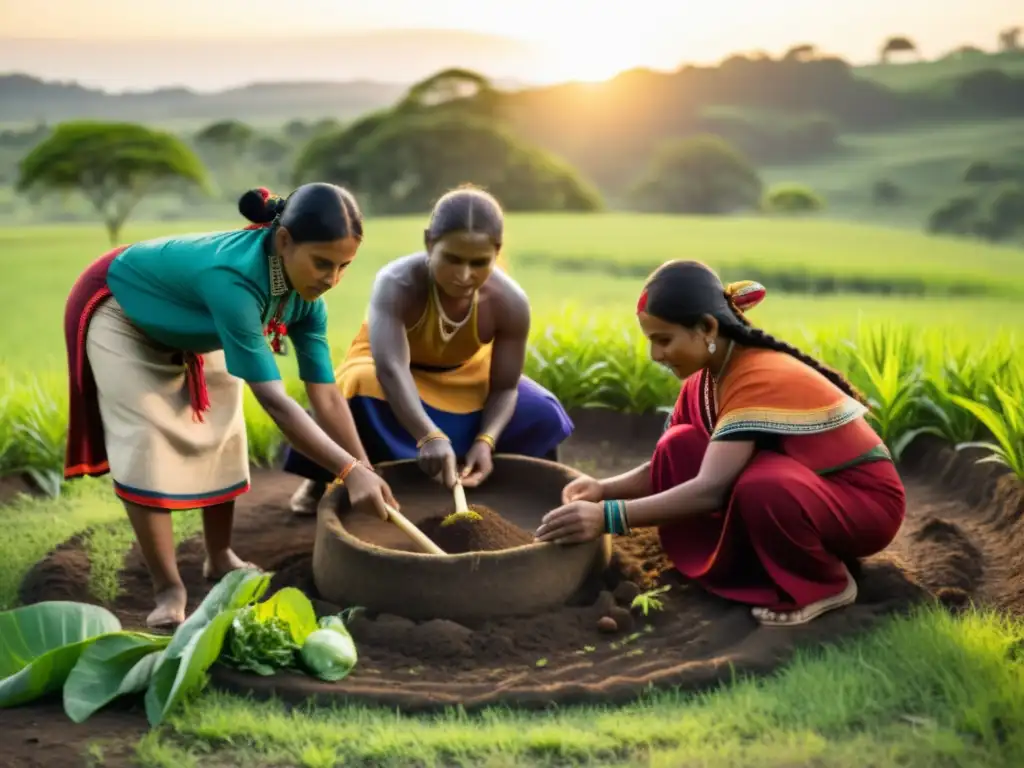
(1005, 423)
(916, 382)
(887, 368)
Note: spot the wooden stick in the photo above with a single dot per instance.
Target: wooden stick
(414, 533)
(461, 507)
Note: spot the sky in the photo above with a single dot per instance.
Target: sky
(148, 43)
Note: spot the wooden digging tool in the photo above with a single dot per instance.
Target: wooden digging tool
(414, 533)
(462, 510)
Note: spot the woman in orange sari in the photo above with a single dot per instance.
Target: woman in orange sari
(767, 480)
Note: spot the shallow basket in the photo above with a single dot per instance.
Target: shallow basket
(359, 560)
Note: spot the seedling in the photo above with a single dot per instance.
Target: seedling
(649, 601)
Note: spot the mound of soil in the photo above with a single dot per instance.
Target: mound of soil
(465, 534)
(595, 649)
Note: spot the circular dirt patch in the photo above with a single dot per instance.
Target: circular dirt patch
(946, 548)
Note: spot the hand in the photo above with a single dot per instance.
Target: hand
(368, 492)
(479, 465)
(583, 489)
(572, 523)
(436, 457)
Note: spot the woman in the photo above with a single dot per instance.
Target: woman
(767, 480)
(161, 336)
(436, 371)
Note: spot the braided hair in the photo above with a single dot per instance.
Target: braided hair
(685, 292)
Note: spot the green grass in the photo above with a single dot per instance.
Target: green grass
(927, 161)
(928, 690)
(43, 262)
(922, 691)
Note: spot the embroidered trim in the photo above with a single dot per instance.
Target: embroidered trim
(710, 407)
(278, 283)
(778, 421)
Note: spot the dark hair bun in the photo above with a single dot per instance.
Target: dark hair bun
(260, 206)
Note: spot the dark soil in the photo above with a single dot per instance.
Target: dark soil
(13, 486)
(962, 542)
(464, 534)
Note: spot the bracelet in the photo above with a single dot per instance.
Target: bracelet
(615, 521)
(435, 434)
(483, 437)
(340, 479)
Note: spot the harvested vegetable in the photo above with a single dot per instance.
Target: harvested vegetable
(259, 645)
(329, 652)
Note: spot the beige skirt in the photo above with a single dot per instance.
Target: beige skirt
(159, 455)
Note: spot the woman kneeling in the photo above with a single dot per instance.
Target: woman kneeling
(767, 480)
(436, 372)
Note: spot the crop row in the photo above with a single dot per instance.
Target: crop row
(919, 382)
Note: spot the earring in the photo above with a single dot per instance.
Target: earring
(712, 347)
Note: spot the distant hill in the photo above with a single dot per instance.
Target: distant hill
(27, 99)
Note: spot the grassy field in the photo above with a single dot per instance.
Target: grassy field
(938, 76)
(922, 691)
(926, 161)
(594, 262)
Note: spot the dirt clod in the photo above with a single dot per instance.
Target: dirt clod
(626, 592)
(623, 619)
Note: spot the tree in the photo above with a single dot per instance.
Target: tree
(113, 165)
(792, 198)
(462, 89)
(405, 162)
(702, 174)
(898, 44)
(1009, 39)
(803, 52)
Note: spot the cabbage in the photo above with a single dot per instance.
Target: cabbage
(329, 652)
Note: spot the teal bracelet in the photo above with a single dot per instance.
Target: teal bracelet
(615, 521)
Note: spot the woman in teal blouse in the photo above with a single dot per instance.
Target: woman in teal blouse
(161, 337)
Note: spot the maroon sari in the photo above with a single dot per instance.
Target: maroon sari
(783, 538)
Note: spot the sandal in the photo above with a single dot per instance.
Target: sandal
(808, 612)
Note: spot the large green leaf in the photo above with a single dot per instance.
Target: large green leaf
(112, 666)
(197, 642)
(293, 607)
(236, 589)
(42, 643)
(177, 680)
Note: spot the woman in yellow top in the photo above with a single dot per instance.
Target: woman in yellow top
(436, 371)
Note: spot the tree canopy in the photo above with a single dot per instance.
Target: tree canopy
(442, 134)
(703, 174)
(113, 165)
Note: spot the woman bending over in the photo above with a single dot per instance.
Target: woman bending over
(436, 371)
(162, 336)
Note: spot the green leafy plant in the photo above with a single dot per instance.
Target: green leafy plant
(650, 601)
(42, 643)
(84, 649)
(1006, 426)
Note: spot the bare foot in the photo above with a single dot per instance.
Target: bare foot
(218, 564)
(803, 615)
(170, 608)
(307, 498)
